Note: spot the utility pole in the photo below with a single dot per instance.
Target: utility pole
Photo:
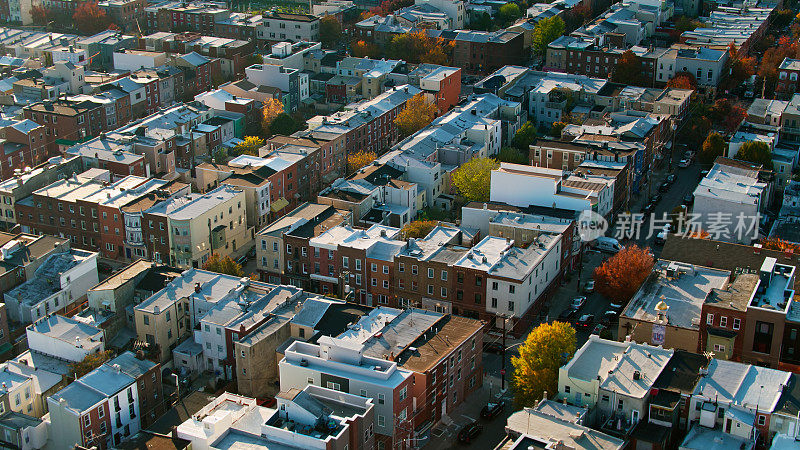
(503, 366)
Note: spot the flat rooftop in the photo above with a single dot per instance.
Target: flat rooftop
(47, 279)
(681, 287)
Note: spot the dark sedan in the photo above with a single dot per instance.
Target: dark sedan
(586, 321)
(469, 432)
(492, 410)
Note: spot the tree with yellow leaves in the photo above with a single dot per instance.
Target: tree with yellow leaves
(472, 179)
(546, 348)
(89, 363)
(418, 228)
(223, 264)
(272, 108)
(249, 146)
(417, 114)
(358, 160)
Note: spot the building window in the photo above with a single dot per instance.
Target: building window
(762, 419)
(381, 399)
(381, 421)
(723, 321)
(719, 348)
(737, 323)
(710, 319)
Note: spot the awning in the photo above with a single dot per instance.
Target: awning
(279, 204)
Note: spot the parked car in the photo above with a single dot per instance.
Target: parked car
(688, 154)
(688, 199)
(615, 306)
(578, 302)
(242, 260)
(469, 432)
(702, 175)
(670, 179)
(491, 410)
(655, 199)
(684, 163)
(661, 237)
(599, 328)
(589, 286)
(607, 244)
(567, 315)
(609, 317)
(664, 187)
(585, 322)
(493, 347)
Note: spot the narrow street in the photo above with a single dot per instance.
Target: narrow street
(444, 434)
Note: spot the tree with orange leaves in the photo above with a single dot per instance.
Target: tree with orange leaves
(683, 80)
(620, 276)
(776, 243)
(416, 47)
(41, 15)
(90, 19)
(362, 49)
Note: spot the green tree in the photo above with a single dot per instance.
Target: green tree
(628, 69)
(472, 180)
(330, 31)
(223, 264)
(509, 13)
(283, 124)
(755, 152)
(88, 364)
(418, 229)
(513, 155)
(254, 58)
(545, 32)
(524, 137)
(545, 350)
(713, 147)
(482, 22)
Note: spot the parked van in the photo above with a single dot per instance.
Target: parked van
(607, 244)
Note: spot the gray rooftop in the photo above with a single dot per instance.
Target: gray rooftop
(682, 287)
(47, 279)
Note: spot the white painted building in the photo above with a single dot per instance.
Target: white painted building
(522, 186)
(729, 191)
(100, 408)
(455, 9)
(65, 338)
(61, 280)
(521, 275)
(339, 364)
(705, 64)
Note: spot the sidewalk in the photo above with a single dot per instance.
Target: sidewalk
(444, 434)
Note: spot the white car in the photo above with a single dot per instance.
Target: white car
(578, 302)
